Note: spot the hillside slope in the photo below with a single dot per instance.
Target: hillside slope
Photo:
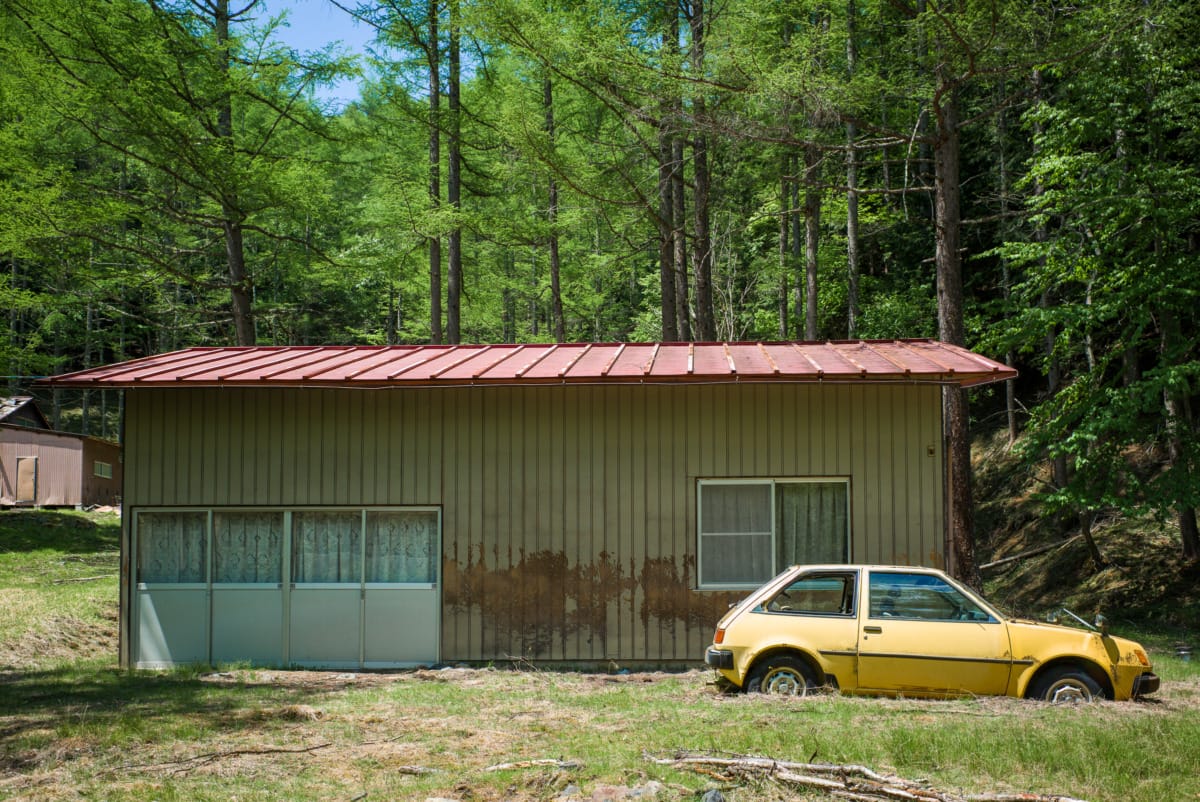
(1145, 580)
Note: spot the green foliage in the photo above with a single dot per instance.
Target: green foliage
(121, 179)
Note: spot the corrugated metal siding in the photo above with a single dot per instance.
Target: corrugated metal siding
(98, 489)
(58, 465)
(569, 513)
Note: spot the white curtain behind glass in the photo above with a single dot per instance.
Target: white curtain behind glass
(171, 547)
(248, 547)
(402, 547)
(736, 539)
(812, 522)
(327, 547)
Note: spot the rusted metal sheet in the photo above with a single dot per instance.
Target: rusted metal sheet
(854, 361)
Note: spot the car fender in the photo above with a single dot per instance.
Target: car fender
(1037, 647)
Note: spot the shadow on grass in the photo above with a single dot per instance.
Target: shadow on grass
(110, 697)
(59, 530)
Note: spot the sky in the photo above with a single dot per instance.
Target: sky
(313, 24)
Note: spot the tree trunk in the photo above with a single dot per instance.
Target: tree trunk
(678, 217)
(784, 226)
(812, 237)
(668, 123)
(552, 218)
(852, 259)
(434, 59)
(454, 188)
(956, 418)
(679, 240)
(706, 329)
(666, 237)
(797, 218)
(240, 287)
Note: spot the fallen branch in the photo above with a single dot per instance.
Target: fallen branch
(843, 781)
(82, 579)
(1031, 553)
(190, 763)
(414, 770)
(530, 764)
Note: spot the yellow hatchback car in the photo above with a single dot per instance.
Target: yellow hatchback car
(912, 632)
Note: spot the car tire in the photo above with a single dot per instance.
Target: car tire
(784, 675)
(1066, 685)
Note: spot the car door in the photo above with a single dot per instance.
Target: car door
(816, 612)
(921, 635)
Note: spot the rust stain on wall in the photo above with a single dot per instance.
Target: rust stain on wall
(538, 601)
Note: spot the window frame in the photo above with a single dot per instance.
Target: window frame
(102, 469)
(209, 536)
(773, 483)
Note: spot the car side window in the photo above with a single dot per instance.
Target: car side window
(920, 597)
(817, 594)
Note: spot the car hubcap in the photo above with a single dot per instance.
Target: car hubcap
(1068, 692)
(785, 682)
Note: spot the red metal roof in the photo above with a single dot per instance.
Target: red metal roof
(852, 361)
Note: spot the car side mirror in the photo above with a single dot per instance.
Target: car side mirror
(1101, 624)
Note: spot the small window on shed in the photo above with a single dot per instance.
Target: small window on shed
(751, 529)
(102, 469)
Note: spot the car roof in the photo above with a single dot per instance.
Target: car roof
(868, 566)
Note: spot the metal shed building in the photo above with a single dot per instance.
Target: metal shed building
(41, 467)
(390, 506)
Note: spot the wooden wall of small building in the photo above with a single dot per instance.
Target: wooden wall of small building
(569, 513)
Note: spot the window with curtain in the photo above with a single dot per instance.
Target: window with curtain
(248, 547)
(402, 547)
(171, 547)
(327, 547)
(752, 529)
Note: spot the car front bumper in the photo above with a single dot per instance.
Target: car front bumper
(1145, 683)
(720, 659)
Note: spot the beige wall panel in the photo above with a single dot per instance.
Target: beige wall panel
(568, 512)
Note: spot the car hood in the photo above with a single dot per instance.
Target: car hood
(1039, 637)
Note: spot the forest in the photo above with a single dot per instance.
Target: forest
(1019, 178)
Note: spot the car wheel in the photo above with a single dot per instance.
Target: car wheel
(1067, 686)
(785, 675)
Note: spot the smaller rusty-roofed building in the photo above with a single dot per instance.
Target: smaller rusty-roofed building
(42, 467)
(350, 506)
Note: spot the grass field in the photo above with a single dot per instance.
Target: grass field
(73, 726)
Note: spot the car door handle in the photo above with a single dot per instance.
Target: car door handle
(873, 630)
